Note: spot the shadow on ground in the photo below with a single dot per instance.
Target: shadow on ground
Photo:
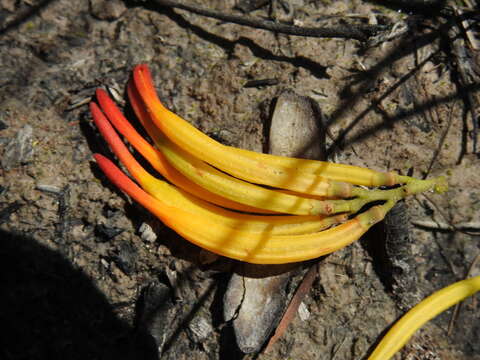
(49, 309)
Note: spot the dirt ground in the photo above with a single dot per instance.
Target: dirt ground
(78, 279)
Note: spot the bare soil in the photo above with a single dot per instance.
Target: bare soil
(78, 279)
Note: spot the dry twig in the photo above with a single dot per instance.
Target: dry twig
(442, 226)
(456, 310)
(469, 228)
(358, 32)
(440, 143)
(467, 66)
(292, 308)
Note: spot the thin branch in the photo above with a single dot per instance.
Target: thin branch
(441, 142)
(359, 32)
(468, 26)
(339, 141)
(399, 29)
(292, 308)
(471, 227)
(337, 350)
(465, 64)
(456, 311)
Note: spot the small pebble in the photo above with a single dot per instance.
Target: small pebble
(105, 263)
(147, 233)
(52, 189)
(303, 312)
(200, 328)
(19, 150)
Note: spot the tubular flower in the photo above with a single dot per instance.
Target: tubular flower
(426, 310)
(252, 207)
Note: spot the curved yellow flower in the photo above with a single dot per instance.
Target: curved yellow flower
(426, 310)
